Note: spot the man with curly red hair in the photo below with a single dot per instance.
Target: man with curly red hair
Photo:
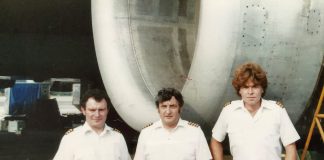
(256, 127)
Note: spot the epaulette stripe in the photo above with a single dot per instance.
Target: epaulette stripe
(228, 103)
(116, 130)
(279, 104)
(68, 131)
(193, 124)
(147, 125)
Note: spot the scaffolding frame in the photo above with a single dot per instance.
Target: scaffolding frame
(316, 121)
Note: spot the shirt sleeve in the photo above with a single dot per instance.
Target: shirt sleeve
(288, 133)
(203, 152)
(124, 150)
(220, 128)
(64, 152)
(139, 154)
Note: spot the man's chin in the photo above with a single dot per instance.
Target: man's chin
(252, 103)
(98, 124)
(168, 121)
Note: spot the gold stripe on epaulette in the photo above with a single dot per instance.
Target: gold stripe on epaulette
(147, 125)
(116, 130)
(193, 124)
(68, 131)
(279, 104)
(228, 103)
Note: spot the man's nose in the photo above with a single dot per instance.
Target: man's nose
(168, 110)
(96, 113)
(250, 90)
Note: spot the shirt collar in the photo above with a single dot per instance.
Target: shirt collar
(87, 129)
(159, 124)
(264, 104)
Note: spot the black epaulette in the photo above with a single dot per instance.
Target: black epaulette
(116, 130)
(279, 104)
(147, 125)
(228, 103)
(68, 131)
(193, 124)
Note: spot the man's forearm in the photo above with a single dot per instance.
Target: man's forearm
(216, 149)
(291, 152)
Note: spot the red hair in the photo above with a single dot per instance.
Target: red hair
(249, 71)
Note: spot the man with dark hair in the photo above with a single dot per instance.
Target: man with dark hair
(94, 140)
(171, 138)
(255, 126)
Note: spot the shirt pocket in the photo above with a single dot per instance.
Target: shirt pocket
(186, 150)
(109, 150)
(154, 151)
(175, 150)
(84, 153)
(271, 135)
(236, 136)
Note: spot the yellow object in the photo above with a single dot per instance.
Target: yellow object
(316, 120)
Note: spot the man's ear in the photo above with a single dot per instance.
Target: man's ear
(158, 108)
(82, 110)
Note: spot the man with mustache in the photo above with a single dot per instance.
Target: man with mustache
(171, 138)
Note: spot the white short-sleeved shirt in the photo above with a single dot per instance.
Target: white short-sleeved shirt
(85, 144)
(258, 137)
(185, 142)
